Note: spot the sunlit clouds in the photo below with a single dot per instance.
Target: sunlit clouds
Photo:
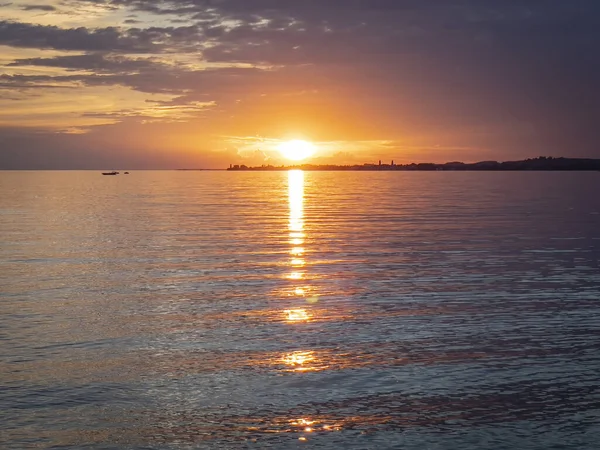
(258, 151)
(92, 106)
(169, 84)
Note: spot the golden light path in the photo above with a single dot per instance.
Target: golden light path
(296, 234)
(302, 360)
(299, 361)
(296, 200)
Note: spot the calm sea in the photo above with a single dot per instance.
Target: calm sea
(179, 310)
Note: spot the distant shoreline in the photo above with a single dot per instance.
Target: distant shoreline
(542, 163)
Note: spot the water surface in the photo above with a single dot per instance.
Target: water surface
(184, 310)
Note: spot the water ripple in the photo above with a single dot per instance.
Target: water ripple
(337, 310)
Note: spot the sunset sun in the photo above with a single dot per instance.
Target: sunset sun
(297, 150)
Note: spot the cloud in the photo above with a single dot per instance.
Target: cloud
(97, 62)
(44, 36)
(31, 7)
(107, 39)
(20, 82)
(504, 76)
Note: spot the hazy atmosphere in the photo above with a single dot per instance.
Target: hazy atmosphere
(205, 83)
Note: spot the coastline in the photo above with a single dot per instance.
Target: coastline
(536, 164)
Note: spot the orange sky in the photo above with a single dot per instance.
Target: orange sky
(182, 83)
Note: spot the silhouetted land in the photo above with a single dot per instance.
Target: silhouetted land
(541, 163)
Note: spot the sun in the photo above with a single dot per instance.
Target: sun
(297, 150)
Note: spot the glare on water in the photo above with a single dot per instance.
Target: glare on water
(276, 309)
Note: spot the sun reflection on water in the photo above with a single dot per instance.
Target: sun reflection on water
(296, 227)
(307, 425)
(296, 197)
(301, 361)
(296, 200)
(297, 315)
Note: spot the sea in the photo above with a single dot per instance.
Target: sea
(290, 309)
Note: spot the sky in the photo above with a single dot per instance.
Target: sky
(156, 84)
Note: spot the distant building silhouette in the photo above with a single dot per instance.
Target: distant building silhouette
(541, 163)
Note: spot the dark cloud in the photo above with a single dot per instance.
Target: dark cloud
(513, 76)
(500, 65)
(38, 8)
(98, 62)
(17, 34)
(20, 82)
(109, 39)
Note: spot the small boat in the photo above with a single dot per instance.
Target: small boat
(126, 173)
(110, 173)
